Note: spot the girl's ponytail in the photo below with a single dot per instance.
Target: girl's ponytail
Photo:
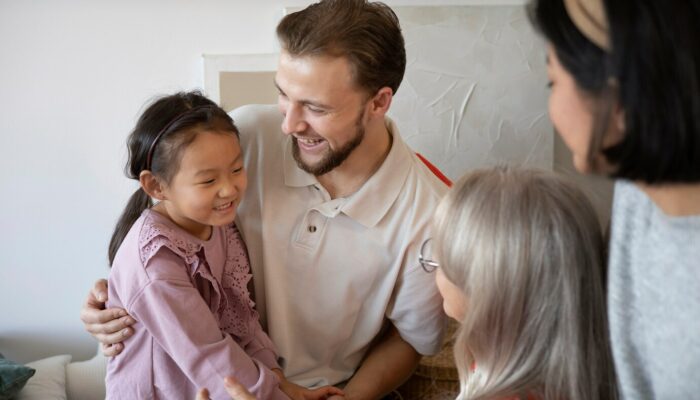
(138, 202)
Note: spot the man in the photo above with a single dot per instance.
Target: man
(336, 209)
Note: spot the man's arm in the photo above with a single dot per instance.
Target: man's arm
(111, 326)
(388, 364)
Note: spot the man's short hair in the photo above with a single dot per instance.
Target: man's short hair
(367, 34)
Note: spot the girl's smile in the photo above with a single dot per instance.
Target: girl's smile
(208, 186)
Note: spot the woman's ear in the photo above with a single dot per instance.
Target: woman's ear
(616, 128)
(618, 124)
(152, 185)
(619, 119)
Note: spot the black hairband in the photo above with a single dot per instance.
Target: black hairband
(149, 157)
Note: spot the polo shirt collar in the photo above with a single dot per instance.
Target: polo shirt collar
(372, 201)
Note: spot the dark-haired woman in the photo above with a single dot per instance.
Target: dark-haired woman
(625, 78)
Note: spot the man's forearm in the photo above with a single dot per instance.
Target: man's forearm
(388, 364)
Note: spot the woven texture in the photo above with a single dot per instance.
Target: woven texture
(436, 377)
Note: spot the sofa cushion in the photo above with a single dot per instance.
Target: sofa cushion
(13, 377)
(49, 383)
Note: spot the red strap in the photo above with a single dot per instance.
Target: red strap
(435, 171)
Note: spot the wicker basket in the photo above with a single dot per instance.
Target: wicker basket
(435, 377)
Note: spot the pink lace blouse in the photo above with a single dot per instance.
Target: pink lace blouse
(195, 319)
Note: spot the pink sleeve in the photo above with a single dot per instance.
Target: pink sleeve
(262, 349)
(180, 321)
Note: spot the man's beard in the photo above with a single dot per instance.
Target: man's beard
(332, 158)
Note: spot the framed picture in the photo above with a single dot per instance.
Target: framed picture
(232, 80)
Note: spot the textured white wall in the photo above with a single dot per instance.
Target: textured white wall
(475, 88)
(73, 77)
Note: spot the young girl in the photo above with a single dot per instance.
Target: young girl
(519, 258)
(180, 267)
(625, 78)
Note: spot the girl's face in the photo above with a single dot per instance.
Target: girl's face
(454, 301)
(209, 184)
(569, 111)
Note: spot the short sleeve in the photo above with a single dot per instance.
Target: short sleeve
(416, 306)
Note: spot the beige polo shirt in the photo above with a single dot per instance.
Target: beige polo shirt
(329, 272)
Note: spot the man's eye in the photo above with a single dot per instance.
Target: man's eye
(237, 170)
(316, 110)
(208, 182)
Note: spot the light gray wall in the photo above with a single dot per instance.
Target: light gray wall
(74, 75)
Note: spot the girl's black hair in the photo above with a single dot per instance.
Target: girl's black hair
(174, 121)
(655, 64)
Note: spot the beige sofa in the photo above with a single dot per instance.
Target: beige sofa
(57, 378)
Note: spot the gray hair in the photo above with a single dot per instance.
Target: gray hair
(526, 248)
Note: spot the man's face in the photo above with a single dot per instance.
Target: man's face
(323, 110)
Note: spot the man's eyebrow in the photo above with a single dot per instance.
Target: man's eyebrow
(304, 101)
(279, 89)
(316, 104)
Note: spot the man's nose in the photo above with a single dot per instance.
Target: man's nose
(293, 119)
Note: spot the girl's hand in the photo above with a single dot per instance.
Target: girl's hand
(233, 387)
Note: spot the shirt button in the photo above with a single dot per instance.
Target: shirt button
(312, 228)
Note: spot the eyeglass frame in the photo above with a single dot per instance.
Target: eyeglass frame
(427, 264)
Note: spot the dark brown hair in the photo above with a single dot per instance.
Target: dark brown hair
(655, 66)
(367, 34)
(174, 121)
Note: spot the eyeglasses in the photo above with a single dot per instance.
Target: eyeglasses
(427, 264)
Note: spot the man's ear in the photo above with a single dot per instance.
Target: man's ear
(381, 101)
(152, 185)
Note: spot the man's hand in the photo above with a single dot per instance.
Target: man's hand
(110, 327)
(296, 392)
(233, 387)
(239, 392)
